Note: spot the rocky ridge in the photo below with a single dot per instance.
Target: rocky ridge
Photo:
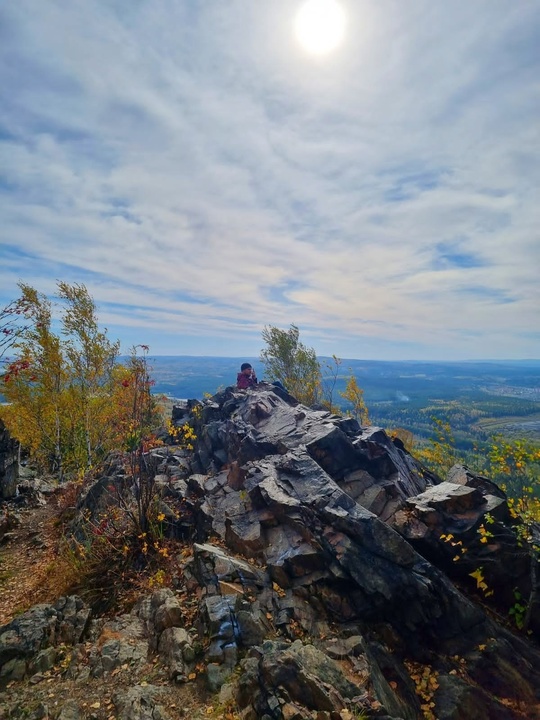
(322, 585)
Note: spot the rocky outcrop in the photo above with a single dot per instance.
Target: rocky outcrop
(314, 500)
(320, 571)
(9, 464)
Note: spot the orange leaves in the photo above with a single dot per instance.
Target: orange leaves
(426, 684)
(458, 543)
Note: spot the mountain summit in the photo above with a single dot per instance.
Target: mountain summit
(321, 576)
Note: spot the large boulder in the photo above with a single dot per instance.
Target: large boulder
(464, 526)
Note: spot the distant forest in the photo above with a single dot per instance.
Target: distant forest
(478, 399)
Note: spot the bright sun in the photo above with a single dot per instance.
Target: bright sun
(320, 26)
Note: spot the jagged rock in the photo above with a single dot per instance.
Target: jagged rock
(461, 475)
(340, 648)
(286, 499)
(41, 712)
(464, 525)
(399, 698)
(43, 661)
(457, 698)
(315, 530)
(159, 611)
(122, 640)
(73, 618)
(174, 646)
(261, 423)
(140, 703)
(294, 674)
(41, 627)
(162, 619)
(212, 565)
(9, 521)
(219, 619)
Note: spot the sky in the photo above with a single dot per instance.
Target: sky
(204, 175)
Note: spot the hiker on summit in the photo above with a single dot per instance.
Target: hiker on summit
(246, 378)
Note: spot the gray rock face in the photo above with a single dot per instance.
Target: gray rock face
(297, 676)
(122, 640)
(32, 633)
(309, 529)
(314, 501)
(465, 524)
(9, 464)
(161, 617)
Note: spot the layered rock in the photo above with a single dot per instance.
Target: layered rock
(313, 499)
(27, 643)
(464, 526)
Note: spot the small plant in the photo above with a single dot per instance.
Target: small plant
(355, 396)
(183, 435)
(518, 611)
(484, 533)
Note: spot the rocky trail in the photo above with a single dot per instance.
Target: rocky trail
(28, 549)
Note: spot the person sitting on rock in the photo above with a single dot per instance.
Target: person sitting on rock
(246, 378)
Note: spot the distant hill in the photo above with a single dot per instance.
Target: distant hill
(189, 376)
(477, 398)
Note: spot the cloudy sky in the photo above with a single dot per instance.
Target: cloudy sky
(204, 175)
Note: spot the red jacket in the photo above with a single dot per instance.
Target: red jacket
(243, 382)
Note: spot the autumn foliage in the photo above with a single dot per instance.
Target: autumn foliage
(69, 401)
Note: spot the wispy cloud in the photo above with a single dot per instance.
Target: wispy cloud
(204, 177)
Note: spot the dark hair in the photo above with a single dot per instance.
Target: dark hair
(244, 366)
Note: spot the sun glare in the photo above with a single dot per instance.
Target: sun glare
(320, 26)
